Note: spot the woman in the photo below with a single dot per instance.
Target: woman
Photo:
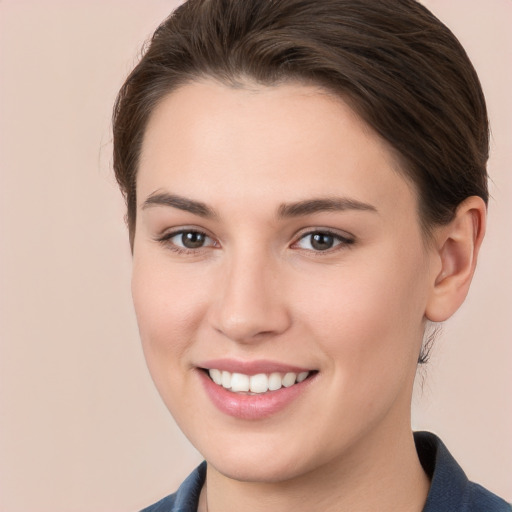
(306, 189)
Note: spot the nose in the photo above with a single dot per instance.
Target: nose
(251, 303)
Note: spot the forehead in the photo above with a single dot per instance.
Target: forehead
(218, 142)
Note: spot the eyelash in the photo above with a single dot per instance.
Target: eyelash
(165, 240)
(343, 241)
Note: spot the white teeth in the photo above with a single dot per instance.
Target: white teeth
(275, 381)
(289, 379)
(260, 383)
(239, 382)
(302, 376)
(216, 376)
(226, 380)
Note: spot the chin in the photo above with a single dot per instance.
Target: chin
(265, 460)
(270, 472)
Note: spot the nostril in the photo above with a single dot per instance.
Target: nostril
(253, 327)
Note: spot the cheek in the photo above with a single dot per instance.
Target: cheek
(369, 316)
(170, 306)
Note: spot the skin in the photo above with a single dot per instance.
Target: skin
(258, 289)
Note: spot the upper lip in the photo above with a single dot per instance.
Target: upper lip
(251, 367)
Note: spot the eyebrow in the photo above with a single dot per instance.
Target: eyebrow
(296, 209)
(179, 202)
(310, 206)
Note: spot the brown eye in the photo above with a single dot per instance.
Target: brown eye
(192, 239)
(319, 241)
(189, 239)
(322, 241)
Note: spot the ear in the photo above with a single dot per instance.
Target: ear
(456, 250)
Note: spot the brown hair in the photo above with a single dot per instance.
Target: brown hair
(396, 64)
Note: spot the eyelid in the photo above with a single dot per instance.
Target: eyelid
(345, 239)
(165, 239)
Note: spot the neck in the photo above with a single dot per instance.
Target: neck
(384, 474)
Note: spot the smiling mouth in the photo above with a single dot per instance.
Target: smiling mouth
(256, 384)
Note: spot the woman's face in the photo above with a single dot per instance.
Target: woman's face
(275, 236)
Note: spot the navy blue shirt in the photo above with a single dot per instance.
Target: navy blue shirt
(450, 489)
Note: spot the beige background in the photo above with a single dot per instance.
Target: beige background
(81, 428)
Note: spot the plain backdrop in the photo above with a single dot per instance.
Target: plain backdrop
(81, 427)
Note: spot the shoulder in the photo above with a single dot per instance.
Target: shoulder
(164, 505)
(186, 498)
(450, 488)
(482, 499)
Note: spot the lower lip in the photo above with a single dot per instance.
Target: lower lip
(252, 407)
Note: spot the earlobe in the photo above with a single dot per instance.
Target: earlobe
(457, 245)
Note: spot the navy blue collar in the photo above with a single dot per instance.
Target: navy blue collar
(450, 490)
